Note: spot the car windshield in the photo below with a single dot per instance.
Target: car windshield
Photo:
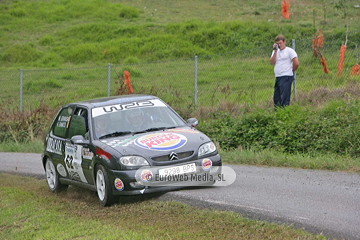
(113, 121)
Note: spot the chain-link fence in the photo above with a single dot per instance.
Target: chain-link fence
(243, 77)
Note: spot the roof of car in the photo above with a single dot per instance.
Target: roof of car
(98, 102)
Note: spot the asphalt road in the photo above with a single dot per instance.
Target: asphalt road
(320, 202)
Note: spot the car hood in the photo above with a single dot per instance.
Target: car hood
(159, 142)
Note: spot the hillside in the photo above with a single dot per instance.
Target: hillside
(53, 34)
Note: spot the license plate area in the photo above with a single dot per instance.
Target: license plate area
(178, 170)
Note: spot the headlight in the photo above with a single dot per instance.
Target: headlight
(132, 161)
(206, 149)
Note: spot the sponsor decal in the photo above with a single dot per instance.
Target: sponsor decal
(161, 141)
(54, 145)
(62, 121)
(87, 154)
(119, 185)
(61, 170)
(146, 175)
(126, 106)
(73, 162)
(183, 130)
(117, 143)
(206, 164)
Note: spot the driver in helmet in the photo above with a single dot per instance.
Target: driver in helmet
(102, 124)
(136, 119)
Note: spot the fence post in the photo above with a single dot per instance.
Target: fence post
(21, 82)
(195, 82)
(108, 78)
(294, 83)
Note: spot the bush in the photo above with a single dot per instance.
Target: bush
(294, 129)
(24, 127)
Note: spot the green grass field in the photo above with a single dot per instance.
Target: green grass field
(54, 34)
(232, 78)
(64, 48)
(31, 211)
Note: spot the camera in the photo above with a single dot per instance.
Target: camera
(276, 46)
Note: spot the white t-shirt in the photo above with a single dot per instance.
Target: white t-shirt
(284, 64)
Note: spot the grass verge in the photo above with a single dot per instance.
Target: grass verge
(272, 158)
(35, 146)
(31, 211)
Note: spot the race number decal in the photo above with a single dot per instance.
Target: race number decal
(73, 162)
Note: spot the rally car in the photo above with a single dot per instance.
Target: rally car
(126, 145)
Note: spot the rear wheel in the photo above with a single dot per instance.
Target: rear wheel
(52, 177)
(103, 187)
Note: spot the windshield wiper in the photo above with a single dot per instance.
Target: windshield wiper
(157, 129)
(115, 134)
(151, 130)
(142, 131)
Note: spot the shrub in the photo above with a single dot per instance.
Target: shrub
(333, 129)
(26, 126)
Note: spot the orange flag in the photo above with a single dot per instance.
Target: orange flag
(127, 82)
(323, 63)
(285, 9)
(355, 70)
(341, 59)
(317, 43)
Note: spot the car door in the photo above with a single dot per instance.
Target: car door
(55, 142)
(78, 159)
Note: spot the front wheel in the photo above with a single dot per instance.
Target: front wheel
(52, 177)
(103, 187)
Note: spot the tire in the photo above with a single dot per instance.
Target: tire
(52, 177)
(103, 187)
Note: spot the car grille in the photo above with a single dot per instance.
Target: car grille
(167, 157)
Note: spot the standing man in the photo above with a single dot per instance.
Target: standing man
(285, 61)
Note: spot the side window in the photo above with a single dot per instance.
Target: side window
(78, 122)
(60, 124)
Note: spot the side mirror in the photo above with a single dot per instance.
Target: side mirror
(79, 140)
(193, 122)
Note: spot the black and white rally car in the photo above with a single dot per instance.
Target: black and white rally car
(126, 145)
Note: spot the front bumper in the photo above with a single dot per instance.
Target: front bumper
(130, 182)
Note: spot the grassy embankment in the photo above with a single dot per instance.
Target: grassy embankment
(68, 34)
